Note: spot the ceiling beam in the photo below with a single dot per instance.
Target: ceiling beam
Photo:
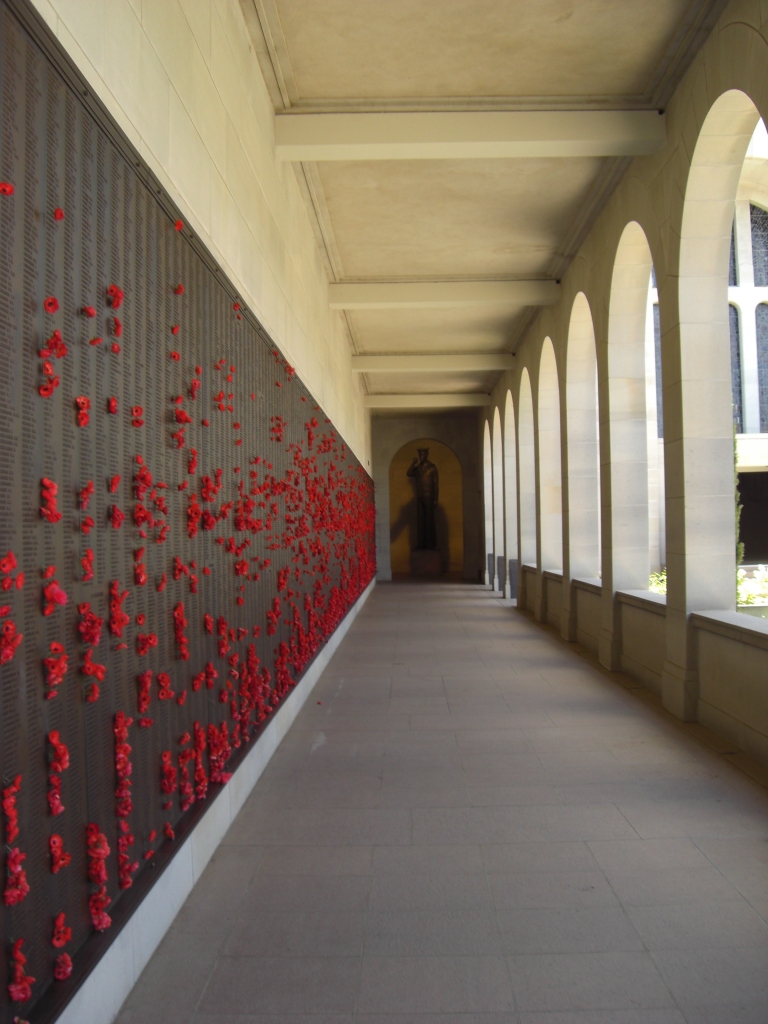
(464, 362)
(442, 294)
(444, 401)
(468, 135)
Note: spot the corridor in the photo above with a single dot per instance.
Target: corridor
(472, 823)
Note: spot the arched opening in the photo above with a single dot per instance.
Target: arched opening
(510, 499)
(488, 502)
(498, 504)
(527, 467)
(582, 432)
(634, 425)
(702, 561)
(550, 476)
(403, 512)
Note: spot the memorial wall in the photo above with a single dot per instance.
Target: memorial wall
(181, 528)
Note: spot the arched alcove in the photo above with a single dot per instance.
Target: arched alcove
(550, 475)
(704, 373)
(527, 465)
(498, 503)
(631, 414)
(510, 499)
(402, 507)
(488, 501)
(582, 431)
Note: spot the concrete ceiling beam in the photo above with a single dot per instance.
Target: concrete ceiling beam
(438, 401)
(442, 294)
(468, 135)
(464, 362)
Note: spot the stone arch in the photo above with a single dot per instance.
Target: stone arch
(549, 465)
(488, 502)
(529, 554)
(498, 503)
(510, 499)
(581, 419)
(628, 411)
(698, 413)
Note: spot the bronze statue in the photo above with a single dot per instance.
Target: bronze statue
(425, 473)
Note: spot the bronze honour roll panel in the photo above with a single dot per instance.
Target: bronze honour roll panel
(181, 526)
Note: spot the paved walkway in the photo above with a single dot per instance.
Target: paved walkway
(476, 826)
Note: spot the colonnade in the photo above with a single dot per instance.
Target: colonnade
(569, 441)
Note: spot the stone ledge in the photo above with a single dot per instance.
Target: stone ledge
(591, 585)
(645, 599)
(733, 625)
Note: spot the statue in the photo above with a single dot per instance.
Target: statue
(425, 473)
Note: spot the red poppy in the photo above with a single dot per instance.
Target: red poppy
(112, 405)
(179, 289)
(175, 356)
(95, 341)
(179, 225)
(6, 188)
(114, 348)
(58, 213)
(89, 311)
(63, 967)
(115, 296)
(51, 304)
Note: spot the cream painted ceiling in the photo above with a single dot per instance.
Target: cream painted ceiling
(457, 220)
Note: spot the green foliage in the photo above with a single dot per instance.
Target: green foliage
(657, 582)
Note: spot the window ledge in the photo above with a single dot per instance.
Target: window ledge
(553, 574)
(734, 625)
(591, 585)
(645, 599)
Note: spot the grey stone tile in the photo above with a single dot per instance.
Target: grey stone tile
(699, 925)
(716, 977)
(419, 860)
(279, 933)
(551, 889)
(588, 981)
(675, 885)
(444, 985)
(605, 1017)
(268, 1018)
(429, 892)
(519, 824)
(282, 985)
(518, 857)
(331, 827)
(316, 860)
(695, 818)
(511, 796)
(648, 854)
(305, 892)
(432, 933)
(567, 930)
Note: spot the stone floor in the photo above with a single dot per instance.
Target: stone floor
(471, 823)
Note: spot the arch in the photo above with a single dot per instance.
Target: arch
(529, 553)
(629, 421)
(550, 475)
(488, 502)
(703, 378)
(510, 500)
(498, 503)
(449, 519)
(582, 440)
